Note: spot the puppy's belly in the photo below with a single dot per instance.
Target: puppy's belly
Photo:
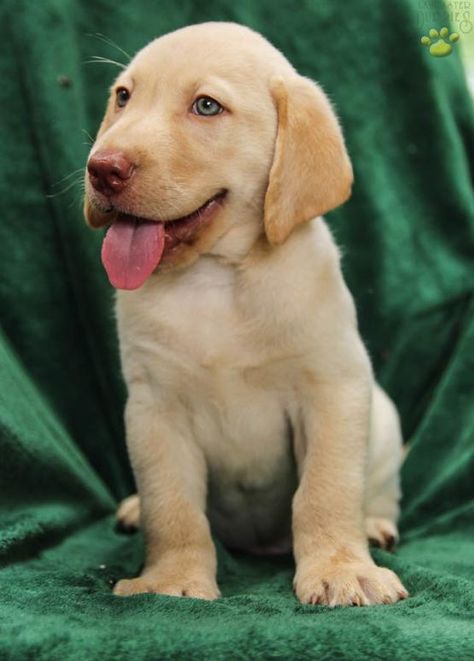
(250, 516)
(251, 468)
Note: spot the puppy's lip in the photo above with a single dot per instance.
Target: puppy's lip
(169, 223)
(183, 230)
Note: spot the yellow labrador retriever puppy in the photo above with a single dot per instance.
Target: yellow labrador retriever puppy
(252, 408)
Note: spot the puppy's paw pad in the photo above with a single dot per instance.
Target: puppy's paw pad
(348, 584)
(128, 514)
(381, 532)
(194, 588)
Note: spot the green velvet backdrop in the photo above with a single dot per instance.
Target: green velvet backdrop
(407, 239)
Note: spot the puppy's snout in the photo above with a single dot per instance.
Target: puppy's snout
(110, 171)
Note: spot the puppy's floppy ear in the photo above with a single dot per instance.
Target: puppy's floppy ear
(311, 172)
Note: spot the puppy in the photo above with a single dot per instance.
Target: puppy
(252, 408)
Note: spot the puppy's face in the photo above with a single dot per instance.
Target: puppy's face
(182, 161)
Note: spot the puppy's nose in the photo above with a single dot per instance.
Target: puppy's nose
(109, 171)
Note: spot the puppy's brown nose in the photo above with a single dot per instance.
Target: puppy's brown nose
(109, 171)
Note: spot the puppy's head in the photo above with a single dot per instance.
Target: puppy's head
(210, 139)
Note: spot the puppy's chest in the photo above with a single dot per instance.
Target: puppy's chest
(204, 330)
(203, 358)
(195, 325)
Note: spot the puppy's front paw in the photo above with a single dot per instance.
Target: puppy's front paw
(347, 583)
(198, 587)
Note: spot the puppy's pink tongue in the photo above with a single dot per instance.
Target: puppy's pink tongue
(131, 251)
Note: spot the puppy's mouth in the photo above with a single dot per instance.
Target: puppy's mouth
(133, 247)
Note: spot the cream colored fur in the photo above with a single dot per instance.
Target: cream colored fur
(252, 408)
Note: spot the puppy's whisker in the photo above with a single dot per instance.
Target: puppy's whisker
(72, 184)
(89, 137)
(95, 59)
(110, 42)
(75, 202)
(67, 176)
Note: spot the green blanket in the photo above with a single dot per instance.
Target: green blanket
(406, 237)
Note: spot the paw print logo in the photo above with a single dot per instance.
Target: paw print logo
(441, 47)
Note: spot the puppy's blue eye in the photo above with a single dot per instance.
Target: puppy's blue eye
(206, 106)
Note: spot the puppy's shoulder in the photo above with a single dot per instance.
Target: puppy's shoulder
(310, 246)
(304, 269)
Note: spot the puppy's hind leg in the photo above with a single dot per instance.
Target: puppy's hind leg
(383, 481)
(128, 514)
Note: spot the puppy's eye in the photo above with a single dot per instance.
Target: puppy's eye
(206, 106)
(122, 96)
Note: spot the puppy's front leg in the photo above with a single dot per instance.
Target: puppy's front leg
(333, 565)
(171, 477)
